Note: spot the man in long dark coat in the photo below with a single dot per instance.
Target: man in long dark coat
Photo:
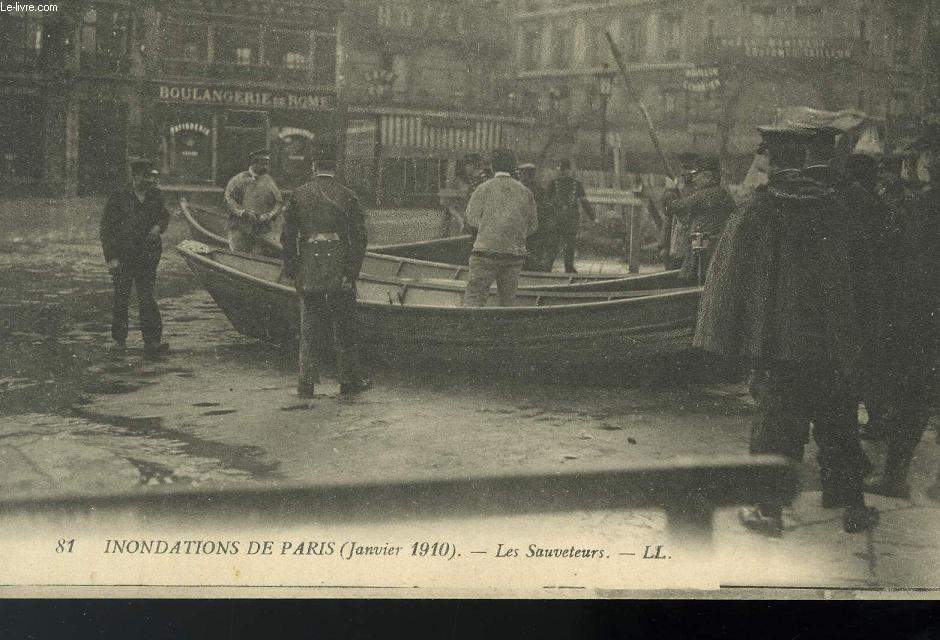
(779, 294)
(537, 242)
(134, 218)
(912, 331)
(567, 197)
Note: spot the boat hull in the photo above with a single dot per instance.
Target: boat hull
(595, 333)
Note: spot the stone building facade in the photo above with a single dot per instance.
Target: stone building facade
(710, 71)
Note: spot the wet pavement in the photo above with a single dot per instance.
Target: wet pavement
(221, 411)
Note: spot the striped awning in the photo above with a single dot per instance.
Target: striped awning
(454, 134)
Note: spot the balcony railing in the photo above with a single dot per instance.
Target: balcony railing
(21, 60)
(253, 72)
(784, 48)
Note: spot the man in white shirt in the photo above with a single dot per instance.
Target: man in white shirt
(253, 200)
(503, 212)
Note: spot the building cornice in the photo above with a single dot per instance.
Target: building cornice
(430, 113)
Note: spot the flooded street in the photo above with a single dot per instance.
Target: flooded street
(221, 410)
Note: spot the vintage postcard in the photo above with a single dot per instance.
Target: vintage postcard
(476, 298)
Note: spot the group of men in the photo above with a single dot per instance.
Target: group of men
(831, 296)
(518, 225)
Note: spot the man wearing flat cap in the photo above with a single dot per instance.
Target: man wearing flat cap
(253, 200)
(134, 217)
(779, 296)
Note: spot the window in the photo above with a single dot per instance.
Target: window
(562, 44)
(105, 32)
(532, 49)
(20, 37)
(634, 43)
(670, 37)
(187, 41)
(289, 49)
(412, 181)
(243, 55)
(237, 46)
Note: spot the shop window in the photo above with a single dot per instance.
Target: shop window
(20, 130)
(412, 182)
(188, 152)
(243, 55)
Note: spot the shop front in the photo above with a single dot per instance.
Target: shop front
(404, 158)
(22, 115)
(205, 133)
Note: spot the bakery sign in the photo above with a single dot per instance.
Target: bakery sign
(194, 94)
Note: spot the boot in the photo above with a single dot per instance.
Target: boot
(766, 520)
(859, 517)
(892, 483)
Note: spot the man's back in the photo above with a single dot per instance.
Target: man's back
(503, 211)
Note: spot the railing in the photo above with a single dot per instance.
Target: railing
(785, 48)
(234, 71)
(688, 491)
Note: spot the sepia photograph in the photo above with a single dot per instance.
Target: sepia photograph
(550, 299)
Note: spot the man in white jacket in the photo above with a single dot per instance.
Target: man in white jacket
(503, 212)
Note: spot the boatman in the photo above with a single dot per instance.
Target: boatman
(502, 211)
(779, 294)
(535, 244)
(324, 243)
(674, 233)
(253, 201)
(133, 220)
(567, 198)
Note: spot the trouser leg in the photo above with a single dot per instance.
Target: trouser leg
(781, 426)
(311, 318)
(552, 243)
(346, 320)
(151, 323)
(481, 278)
(906, 428)
(507, 280)
(835, 429)
(122, 282)
(569, 249)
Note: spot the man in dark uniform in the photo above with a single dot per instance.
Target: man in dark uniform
(567, 197)
(703, 215)
(779, 294)
(536, 243)
(912, 330)
(133, 220)
(323, 205)
(671, 246)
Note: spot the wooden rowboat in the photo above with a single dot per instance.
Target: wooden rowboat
(414, 320)
(443, 260)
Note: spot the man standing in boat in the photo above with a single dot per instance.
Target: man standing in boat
(130, 232)
(324, 243)
(253, 200)
(535, 244)
(567, 197)
(503, 213)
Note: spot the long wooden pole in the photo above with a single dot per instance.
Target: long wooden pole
(667, 166)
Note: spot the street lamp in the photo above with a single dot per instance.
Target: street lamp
(605, 85)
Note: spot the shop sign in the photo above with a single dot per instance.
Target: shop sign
(190, 126)
(245, 98)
